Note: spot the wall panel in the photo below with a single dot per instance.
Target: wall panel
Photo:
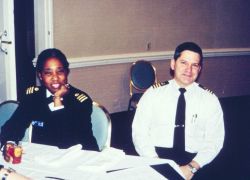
(92, 28)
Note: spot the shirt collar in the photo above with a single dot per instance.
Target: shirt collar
(48, 93)
(188, 88)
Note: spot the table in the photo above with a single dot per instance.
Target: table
(40, 161)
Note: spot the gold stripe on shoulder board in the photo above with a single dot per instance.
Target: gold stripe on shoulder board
(156, 85)
(160, 84)
(210, 91)
(80, 97)
(31, 90)
(206, 89)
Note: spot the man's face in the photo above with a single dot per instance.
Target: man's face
(53, 75)
(186, 68)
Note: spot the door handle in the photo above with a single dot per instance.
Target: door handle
(4, 42)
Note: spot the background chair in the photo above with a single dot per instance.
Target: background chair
(142, 76)
(7, 108)
(28, 134)
(101, 126)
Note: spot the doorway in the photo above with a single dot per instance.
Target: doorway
(7, 52)
(24, 45)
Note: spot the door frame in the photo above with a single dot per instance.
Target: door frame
(43, 12)
(10, 57)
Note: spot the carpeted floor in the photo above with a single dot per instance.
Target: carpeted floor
(233, 162)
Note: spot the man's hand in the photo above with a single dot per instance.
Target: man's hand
(187, 171)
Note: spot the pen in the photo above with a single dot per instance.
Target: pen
(116, 170)
(51, 177)
(194, 118)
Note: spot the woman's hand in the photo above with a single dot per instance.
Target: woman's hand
(64, 89)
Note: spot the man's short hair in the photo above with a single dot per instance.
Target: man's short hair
(51, 53)
(191, 46)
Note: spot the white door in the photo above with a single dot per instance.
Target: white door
(7, 52)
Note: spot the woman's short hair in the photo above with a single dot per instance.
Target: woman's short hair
(51, 53)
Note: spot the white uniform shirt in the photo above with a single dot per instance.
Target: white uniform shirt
(154, 121)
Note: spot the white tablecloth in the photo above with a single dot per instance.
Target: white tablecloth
(40, 161)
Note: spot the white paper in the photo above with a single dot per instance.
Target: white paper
(75, 164)
(103, 160)
(135, 173)
(61, 157)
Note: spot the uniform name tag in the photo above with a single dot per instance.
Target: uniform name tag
(37, 123)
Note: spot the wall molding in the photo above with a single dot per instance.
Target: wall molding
(149, 56)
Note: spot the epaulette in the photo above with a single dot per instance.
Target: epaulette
(160, 84)
(31, 90)
(206, 89)
(80, 97)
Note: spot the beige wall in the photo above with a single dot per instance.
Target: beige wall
(84, 29)
(109, 85)
(93, 27)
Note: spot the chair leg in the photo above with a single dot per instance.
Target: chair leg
(129, 104)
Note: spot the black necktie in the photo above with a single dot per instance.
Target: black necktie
(179, 132)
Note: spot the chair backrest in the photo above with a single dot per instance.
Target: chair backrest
(7, 108)
(101, 126)
(142, 75)
(28, 134)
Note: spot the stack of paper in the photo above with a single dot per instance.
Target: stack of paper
(102, 161)
(61, 157)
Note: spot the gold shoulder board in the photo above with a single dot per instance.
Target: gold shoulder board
(160, 84)
(80, 97)
(31, 90)
(206, 89)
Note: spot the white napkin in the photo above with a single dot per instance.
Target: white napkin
(60, 158)
(103, 160)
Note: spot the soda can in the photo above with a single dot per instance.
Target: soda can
(8, 151)
(17, 155)
(12, 153)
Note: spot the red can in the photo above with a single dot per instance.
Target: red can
(13, 153)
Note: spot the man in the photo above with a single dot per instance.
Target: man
(155, 130)
(59, 113)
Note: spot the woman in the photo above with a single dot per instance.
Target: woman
(59, 113)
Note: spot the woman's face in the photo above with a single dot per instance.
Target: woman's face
(53, 75)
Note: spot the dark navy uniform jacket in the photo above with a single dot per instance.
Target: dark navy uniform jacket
(63, 128)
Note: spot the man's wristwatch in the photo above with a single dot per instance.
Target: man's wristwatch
(192, 168)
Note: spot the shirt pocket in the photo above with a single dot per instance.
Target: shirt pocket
(195, 126)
